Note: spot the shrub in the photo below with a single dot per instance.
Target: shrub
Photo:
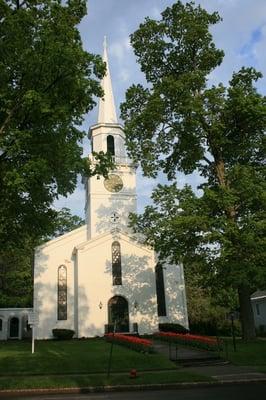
(261, 331)
(176, 328)
(63, 334)
(109, 328)
(214, 328)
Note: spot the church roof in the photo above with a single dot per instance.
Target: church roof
(75, 232)
(115, 234)
(107, 112)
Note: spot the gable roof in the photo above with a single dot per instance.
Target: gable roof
(61, 237)
(113, 234)
(259, 294)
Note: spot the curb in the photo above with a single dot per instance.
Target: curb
(125, 388)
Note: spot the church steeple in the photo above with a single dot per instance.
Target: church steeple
(107, 113)
(109, 200)
(107, 134)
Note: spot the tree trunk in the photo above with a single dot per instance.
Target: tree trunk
(246, 313)
(220, 172)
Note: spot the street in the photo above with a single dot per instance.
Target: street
(236, 392)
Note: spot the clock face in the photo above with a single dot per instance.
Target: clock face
(113, 183)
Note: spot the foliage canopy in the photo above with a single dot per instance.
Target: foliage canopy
(48, 82)
(179, 123)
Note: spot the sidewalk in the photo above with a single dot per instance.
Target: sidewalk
(229, 372)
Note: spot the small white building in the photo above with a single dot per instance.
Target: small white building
(258, 301)
(101, 275)
(14, 323)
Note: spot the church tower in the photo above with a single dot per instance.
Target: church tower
(109, 200)
(100, 276)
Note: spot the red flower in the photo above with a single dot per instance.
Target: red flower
(132, 341)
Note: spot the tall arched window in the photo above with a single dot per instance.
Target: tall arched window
(111, 145)
(160, 291)
(116, 263)
(62, 293)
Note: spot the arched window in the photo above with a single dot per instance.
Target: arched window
(160, 291)
(62, 293)
(111, 145)
(116, 263)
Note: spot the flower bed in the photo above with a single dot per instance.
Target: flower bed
(201, 342)
(132, 342)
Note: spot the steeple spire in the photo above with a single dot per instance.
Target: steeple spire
(106, 113)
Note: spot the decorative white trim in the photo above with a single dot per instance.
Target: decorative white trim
(258, 298)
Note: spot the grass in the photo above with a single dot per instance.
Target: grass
(54, 381)
(73, 357)
(250, 353)
(82, 363)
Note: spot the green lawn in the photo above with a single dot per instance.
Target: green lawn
(73, 356)
(81, 363)
(250, 353)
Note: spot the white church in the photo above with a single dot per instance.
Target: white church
(100, 276)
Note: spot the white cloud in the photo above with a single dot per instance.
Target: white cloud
(240, 20)
(259, 50)
(155, 13)
(120, 48)
(125, 74)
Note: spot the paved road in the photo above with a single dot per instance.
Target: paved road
(238, 392)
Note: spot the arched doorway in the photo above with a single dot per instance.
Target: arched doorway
(118, 313)
(14, 327)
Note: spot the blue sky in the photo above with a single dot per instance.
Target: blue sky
(241, 34)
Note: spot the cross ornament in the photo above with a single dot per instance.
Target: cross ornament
(114, 218)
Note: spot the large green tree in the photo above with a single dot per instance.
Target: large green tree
(48, 82)
(16, 263)
(179, 123)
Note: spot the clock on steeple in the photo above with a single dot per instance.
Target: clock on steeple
(113, 183)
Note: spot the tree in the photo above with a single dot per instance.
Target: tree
(208, 305)
(180, 124)
(65, 222)
(16, 264)
(48, 82)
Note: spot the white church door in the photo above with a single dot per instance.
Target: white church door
(118, 313)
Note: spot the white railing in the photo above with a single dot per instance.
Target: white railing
(116, 160)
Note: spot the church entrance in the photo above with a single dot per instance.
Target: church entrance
(14, 328)
(118, 313)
